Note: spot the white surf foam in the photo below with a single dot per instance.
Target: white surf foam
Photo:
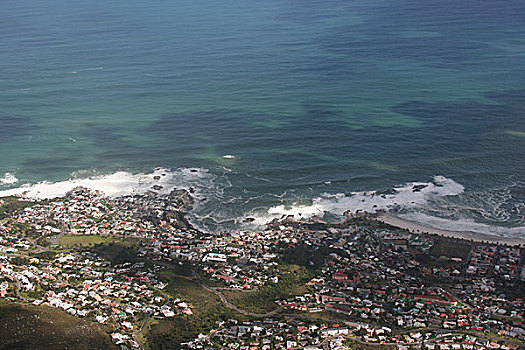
(209, 191)
(112, 185)
(463, 224)
(207, 188)
(412, 194)
(8, 179)
(412, 204)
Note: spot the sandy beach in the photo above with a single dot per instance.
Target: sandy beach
(477, 237)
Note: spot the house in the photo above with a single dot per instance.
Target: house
(3, 289)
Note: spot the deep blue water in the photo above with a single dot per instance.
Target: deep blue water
(311, 97)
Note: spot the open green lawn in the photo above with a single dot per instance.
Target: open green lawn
(70, 241)
(30, 327)
(354, 345)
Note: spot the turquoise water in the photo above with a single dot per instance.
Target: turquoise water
(311, 97)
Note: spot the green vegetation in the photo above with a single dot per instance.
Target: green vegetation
(450, 248)
(36, 293)
(206, 306)
(354, 345)
(29, 327)
(142, 337)
(21, 229)
(118, 252)
(304, 255)
(19, 260)
(11, 204)
(292, 282)
(46, 254)
(91, 240)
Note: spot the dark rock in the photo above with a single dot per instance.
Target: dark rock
(182, 198)
(418, 188)
(273, 224)
(157, 187)
(77, 191)
(156, 177)
(289, 219)
(249, 220)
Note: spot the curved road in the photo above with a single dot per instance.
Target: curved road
(134, 335)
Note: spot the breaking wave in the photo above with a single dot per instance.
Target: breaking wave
(8, 179)
(463, 224)
(410, 195)
(219, 206)
(120, 183)
(206, 187)
(441, 203)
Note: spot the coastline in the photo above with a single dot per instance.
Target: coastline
(466, 235)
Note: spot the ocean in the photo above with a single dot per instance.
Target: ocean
(270, 108)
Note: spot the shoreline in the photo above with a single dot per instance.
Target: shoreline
(465, 235)
(186, 200)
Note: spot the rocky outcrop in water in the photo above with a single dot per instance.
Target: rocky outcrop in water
(182, 198)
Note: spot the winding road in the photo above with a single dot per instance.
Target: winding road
(134, 335)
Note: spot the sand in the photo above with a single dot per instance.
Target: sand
(474, 236)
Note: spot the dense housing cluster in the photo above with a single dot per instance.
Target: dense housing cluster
(295, 285)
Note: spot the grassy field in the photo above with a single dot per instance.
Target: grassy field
(71, 241)
(357, 346)
(292, 282)
(29, 327)
(207, 309)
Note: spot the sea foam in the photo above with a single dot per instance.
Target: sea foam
(112, 185)
(8, 179)
(410, 195)
(463, 224)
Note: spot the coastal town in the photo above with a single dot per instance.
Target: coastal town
(136, 265)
